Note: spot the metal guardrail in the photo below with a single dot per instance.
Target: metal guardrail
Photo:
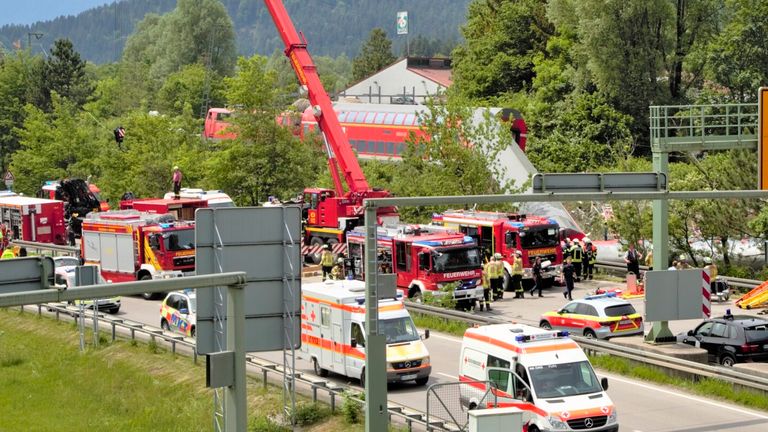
(675, 365)
(732, 281)
(408, 416)
(68, 250)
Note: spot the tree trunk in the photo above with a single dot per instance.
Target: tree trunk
(724, 247)
(676, 74)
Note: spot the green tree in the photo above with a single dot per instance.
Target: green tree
(186, 88)
(502, 39)
(375, 55)
(18, 86)
(266, 158)
(64, 73)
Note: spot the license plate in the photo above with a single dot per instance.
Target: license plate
(625, 322)
(408, 377)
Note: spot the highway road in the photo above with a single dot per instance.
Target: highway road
(642, 407)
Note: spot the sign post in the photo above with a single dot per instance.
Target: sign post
(9, 178)
(402, 28)
(762, 138)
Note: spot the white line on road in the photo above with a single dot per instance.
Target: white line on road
(685, 396)
(445, 337)
(449, 376)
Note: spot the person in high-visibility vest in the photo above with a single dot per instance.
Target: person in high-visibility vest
(577, 256)
(497, 277)
(590, 258)
(8, 254)
(488, 271)
(326, 261)
(517, 275)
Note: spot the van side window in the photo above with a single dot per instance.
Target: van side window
(357, 335)
(500, 378)
(325, 316)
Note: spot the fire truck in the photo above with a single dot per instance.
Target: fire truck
(129, 245)
(425, 260)
(329, 213)
(506, 233)
(33, 219)
(182, 208)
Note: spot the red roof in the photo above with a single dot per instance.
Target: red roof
(440, 76)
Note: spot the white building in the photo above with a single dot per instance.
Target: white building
(407, 81)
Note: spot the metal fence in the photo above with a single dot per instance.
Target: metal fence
(448, 404)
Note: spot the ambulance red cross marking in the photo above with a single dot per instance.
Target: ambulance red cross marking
(604, 410)
(312, 315)
(482, 365)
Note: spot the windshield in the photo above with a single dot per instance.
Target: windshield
(566, 379)
(539, 237)
(456, 259)
(179, 240)
(399, 330)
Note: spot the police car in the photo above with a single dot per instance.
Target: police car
(179, 312)
(599, 316)
(64, 277)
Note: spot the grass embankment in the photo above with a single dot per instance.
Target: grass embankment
(47, 384)
(442, 325)
(708, 387)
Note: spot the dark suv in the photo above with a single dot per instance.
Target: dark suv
(730, 339)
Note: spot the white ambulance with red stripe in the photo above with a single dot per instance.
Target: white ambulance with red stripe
(542, 372)
(333, 334)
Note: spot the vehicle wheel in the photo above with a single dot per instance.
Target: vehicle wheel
(422, 381)
(727, 360)
(315, 257)
(415, 295)
(318, 370)
(472, 406)
(362, 379)
(507, 283)
(193, 332)
(533, 428)
(545, 325)
(726, 297)
(164, 325)
(589, 333)
(147, 296)
(113, 310)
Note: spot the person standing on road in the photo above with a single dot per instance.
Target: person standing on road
(567, 248)
(590, 258)
(712, 269)
(8, 253)
(517, 274)
(537, 280)
(497, 277)
(649, 259)
(632, 258)
(568, 272)
(485, 302)
(326, 261)
(177, 176)
(577, 255)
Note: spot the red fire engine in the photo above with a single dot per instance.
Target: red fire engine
(182, 208)
(506, 233)
(33, 219)
(130, 245)
(329, 213)
(424, 259)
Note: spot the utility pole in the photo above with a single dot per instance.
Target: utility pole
(37, 36)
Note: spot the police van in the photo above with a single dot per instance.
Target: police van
(333, 333)
(542, 372)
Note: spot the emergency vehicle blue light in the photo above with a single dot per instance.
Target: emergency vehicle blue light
(599, 296)
(360, 300)
(468, 239)
(166, 225)
(562, 334)
(516, 224)
(520, 338)
(552, 221)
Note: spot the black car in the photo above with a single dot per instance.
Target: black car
(731, 339)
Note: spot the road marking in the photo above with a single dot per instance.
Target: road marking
(445, 337)
(685, 396)
(449, 376)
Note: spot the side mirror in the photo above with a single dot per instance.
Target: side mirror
(184, 311)
(604, 383)
(560, 312)
(353, 343)
(690, 332)
(426, 334)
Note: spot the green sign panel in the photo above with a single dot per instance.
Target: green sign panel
(402, 22)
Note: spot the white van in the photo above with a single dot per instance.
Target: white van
(333, 333)
(542, 372)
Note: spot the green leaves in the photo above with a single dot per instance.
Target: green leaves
(375, 55)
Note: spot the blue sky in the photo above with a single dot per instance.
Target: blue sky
(29, 11)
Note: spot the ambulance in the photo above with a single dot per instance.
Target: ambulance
(333, 334)
(542, 372)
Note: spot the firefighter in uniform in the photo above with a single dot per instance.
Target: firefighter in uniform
(577, 256)
(517, 274)
(326, 261)
(8, 254)
(497, 277)
(487, 296)
(590, 258)
(567, 249)
(338, 270)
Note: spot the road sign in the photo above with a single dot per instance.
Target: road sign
(762, 138)
(18, 275)
(264, 242)
(402, 23)
(8, 178)
(600, 182)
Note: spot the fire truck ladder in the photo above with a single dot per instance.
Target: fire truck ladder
(290, 297)
(219, 327)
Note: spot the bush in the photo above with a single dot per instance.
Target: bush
(445, 300)
(309, 414)
(264, 424)
(351, 410)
